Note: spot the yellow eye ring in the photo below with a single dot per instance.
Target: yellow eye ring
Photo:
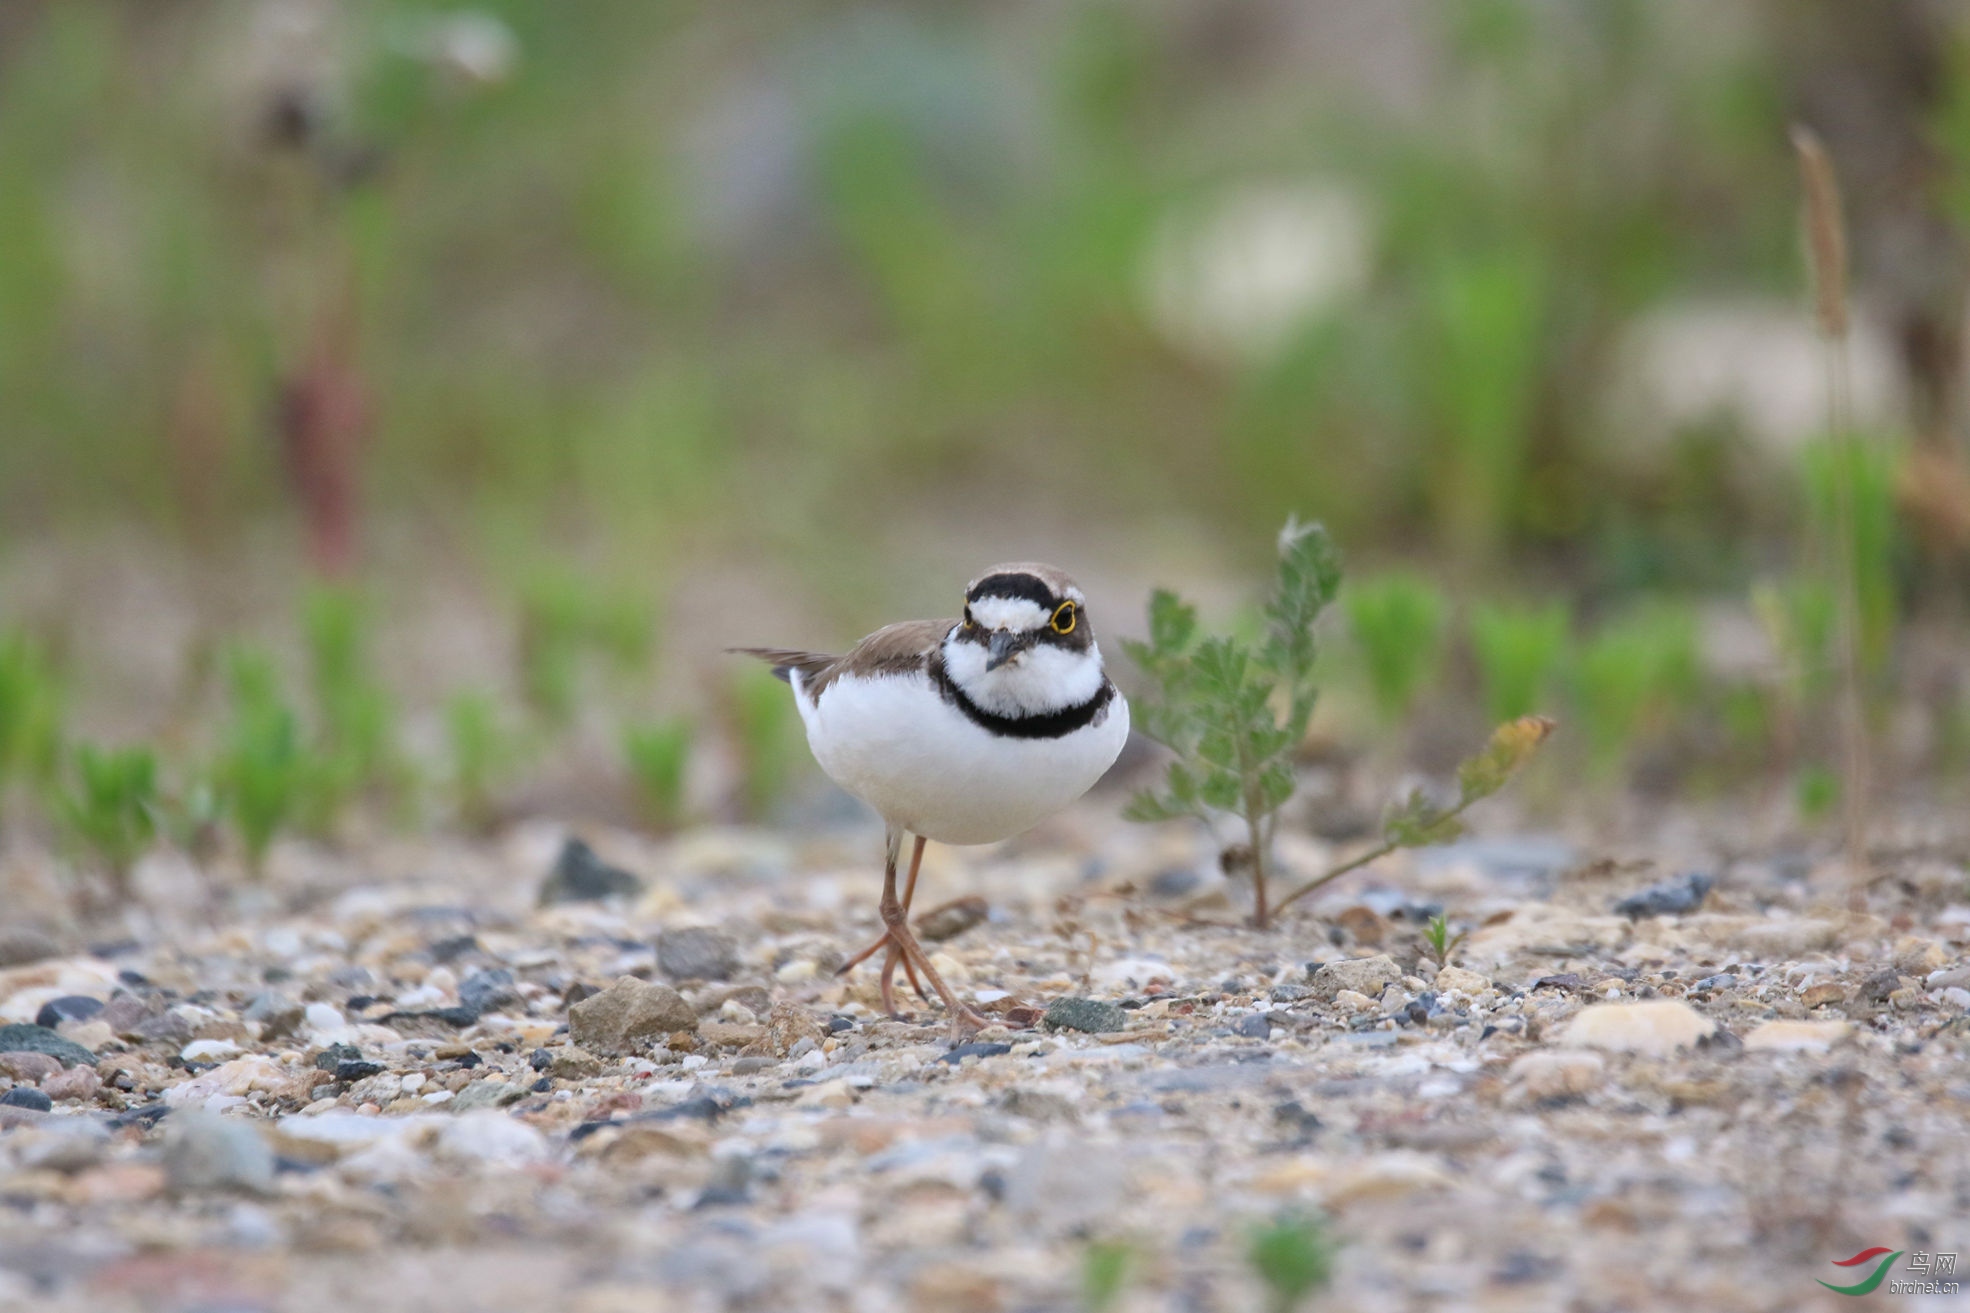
(1064, 618)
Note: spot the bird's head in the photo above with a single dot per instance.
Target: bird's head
(1025, 646)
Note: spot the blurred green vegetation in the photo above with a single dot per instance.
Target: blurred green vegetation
(634, 270)
(571, 300)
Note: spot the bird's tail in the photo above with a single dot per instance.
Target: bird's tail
(786, 660)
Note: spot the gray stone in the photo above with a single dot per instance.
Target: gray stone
(66, 1144)
(1092, 1015)
(26, 1096)
(205, 1152)
(277, 1014)
(628, 1017)
(1363, 975)
(697, 953)
(1252, 1026)
(482, 991)
(487, 1094)
(1685, 893)
(39, 1039)
(579, 876)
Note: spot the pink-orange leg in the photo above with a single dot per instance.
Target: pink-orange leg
(901, 944)
(892, 955)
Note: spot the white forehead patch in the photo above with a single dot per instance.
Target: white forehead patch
(1015, 613)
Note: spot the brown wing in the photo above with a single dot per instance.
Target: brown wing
(891, 650)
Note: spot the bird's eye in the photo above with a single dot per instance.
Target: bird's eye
(1063, 618)
(969, 623)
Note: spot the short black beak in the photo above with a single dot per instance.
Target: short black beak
(1004, 646)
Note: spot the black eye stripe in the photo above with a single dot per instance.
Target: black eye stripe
(1023, 587)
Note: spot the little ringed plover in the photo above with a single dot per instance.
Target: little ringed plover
(965, 731)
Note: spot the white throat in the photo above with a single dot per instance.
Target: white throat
(1039, 681)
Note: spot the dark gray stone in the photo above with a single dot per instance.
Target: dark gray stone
(26, 1096)
(69, 1007)
(40, 1039)
(579, 876)
(1253, 1025)
(482, 991)
(697, 953)
(1092, 1015)
(975, 1050)
(1685, 893)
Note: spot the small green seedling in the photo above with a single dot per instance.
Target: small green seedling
(1634, 667)
(262, 773)
(1104, 1273)
(766, 725)
(1294, 1257)
(1439, 943)
(1519, 653)
(30, 713)
(481, 750)
(1398, 622)
(658, 755)
(112, 806)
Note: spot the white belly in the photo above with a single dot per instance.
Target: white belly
(893, 742)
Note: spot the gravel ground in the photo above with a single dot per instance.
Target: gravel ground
(402, 1083)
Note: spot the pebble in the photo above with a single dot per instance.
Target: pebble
(483, 991)
(1557, 1075)
(1657, 1027)
(26, 1096)
(579, 876)
(1094, 1016)
(952, 919)
(697, 953)
(69, 1007)
(25, 1065)
(209, 1050)
(491, 1138)
(73, 1083)
(1685, 893)
(1798, 1036)
(487, 1094)
(204, 1151)
(628, 1017)
(1470, 983)
(1819, 996)
(1349, 1000)
(67, 1144)
(276, 1014)
(39, 1039)
(1363, 975)
(1253, 1025)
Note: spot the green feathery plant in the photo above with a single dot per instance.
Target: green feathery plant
(356, 749)
(480, 749)
(111, 806)
(1294, 1257)
(766, 725)
(1398, 622)
(261, 774)
(30, 713)
(1519, 652)
(1233, 713)
(658, 755)
(1632, 668)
